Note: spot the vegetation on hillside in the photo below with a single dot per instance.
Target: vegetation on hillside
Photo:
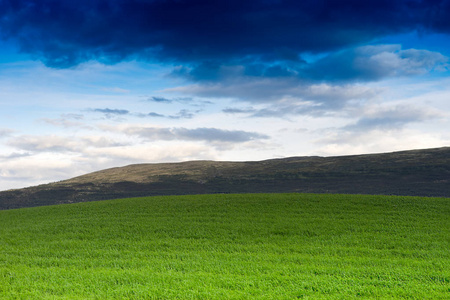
(254, 246)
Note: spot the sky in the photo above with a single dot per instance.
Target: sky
(92, 84)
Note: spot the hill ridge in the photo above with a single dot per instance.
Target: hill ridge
(423, 172)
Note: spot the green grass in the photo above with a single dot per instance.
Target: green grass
(254, 246)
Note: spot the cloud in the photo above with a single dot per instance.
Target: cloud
(65, 33)
(365, 63)
(376, 141)
(63, 157)
(283, 94)
(390, 118)
(50, 143)
(116, 114)
(99, 142)
(73, 116)
(198, 134)
(320, 87)
(67, 121)
(182, 114)
(183, 100)
(371, 63)
(20, 170)
(58, 144)
(5, 132)
(315, 100)
(153, 115)
(378, 127)
(160, 99)
(13, 156)
(149, 153)
(108, 111)
(235, 110)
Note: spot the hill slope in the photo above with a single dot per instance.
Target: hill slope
(416, 172)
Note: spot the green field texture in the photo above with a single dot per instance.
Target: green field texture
(247, 246)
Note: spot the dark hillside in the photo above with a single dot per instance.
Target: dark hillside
(415, 173)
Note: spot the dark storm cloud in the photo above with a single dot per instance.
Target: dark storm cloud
(64, 33)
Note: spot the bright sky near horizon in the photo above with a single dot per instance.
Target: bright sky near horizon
(92, 84)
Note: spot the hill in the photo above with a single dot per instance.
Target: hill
(414, 173)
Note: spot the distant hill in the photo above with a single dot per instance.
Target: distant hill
(414, 173)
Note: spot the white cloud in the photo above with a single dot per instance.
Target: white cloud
(66, 122)
(36, 169)
(335, 142)
(51, 143)
(5, 132)
(180, 133)
(285, 97)
(24, 170)
(161, 152)
(391, 117)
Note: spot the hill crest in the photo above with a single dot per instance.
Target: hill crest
(415, 172)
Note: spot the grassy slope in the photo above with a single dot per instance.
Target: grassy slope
(266, 246)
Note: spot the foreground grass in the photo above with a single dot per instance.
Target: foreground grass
(267, 246)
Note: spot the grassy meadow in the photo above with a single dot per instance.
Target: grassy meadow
(248, 246)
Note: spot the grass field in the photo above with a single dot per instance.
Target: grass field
(254, 246)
